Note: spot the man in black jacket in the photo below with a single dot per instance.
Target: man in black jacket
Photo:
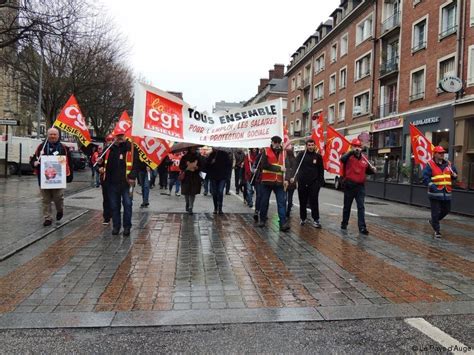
(120, 170)
(217, 165)
(310, 178)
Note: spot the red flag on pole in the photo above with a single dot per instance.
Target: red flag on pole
(421, 146)
(152, 150)
(124, 126)
(317, 133)
(286, 138)
(336, 146)
(71, 120)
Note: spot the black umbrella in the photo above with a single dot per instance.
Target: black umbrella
(179, 147)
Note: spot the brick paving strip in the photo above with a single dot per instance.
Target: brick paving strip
(145, 278)
(391, 282)
(258, 268)
(449, 236)
(23, 281)
(457, 224)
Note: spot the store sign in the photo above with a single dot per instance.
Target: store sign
(8, 122)
(450, 84)
(425, 121)
(387, 124)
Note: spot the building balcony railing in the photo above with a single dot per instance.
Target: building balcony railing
(418, 46)
(448, 31)
(417, 96)
(305, 108)
(387, 109)
(389, 66)
(306, 83)
(391, 22)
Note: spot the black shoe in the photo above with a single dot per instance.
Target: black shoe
(255, 217)
(59, 216)
(115, 231)
(126, 232)
(144, 205)
(437, 235)
(285, 227)
(190, 211)
(215, 212)
(262, 224)
(364, 231)
(221, 212)
(227, 193)
(106, 222)
(236, 192)
(344, 227)
(47, 222)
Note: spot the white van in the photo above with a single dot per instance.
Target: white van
(332, 179)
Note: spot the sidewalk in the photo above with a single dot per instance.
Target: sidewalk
(21, 218)
(207, 269)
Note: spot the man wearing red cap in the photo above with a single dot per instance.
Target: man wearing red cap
(356, 166)
(120, 171)
(438, 175)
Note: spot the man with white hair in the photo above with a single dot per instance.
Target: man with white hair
(52, 146)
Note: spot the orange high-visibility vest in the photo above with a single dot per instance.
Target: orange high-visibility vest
(272, 176)
(441, 178)
(128, 162)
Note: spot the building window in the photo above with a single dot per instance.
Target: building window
(470, 66)
(416, 2)
(332, 84)
(417, 85)
(343, 78)
(342, 111)
(292, 106)
(364, 30)
(344, 44)
(447, 67)
(420, 35)
(448, 19)
(472, 13)
(319, 64)
(362, 67)
(334, 53)
(319, 91)
(293, 84)
(298, 125)
(331, 113)
(298, 103)
(361, 104)
(298, 80)
(292, 128)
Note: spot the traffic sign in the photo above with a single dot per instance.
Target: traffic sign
(7, 122)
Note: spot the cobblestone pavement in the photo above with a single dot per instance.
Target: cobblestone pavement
(205, 269)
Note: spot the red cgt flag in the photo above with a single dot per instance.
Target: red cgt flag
(124, 126)
(421, 146)
(336, 146)
(317, 133)
(152, 150)
(286, 138)
(72, 121)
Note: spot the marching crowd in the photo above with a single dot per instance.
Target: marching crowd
(257, 173)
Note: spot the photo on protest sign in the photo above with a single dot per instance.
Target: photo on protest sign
(53, 172)
(157, 113)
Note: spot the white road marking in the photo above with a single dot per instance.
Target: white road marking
(445, 340)
(352, 209)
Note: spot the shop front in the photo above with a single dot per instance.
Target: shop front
(437, 125)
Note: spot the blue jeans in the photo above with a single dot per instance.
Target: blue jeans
(145, 182)
(354, 191)
(280, 194)
(118, 196)
(217, 190)
(249, 194)
(174, 181)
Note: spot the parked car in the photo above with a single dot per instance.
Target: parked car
(332, 179)
(79, 160)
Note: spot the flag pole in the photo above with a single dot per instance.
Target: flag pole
(299, 165)
(103, 153)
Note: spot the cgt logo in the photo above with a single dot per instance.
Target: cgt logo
(164, 116)
(73, 113)
(334, 162)
(423, 150)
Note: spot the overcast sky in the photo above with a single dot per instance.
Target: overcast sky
(214, 50)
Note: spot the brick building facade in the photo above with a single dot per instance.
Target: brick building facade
(375, 67)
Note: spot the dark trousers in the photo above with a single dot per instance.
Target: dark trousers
(107, 214)
(354, 191)
(258, 197)
(289, 201)
(163, 176)
(205, 184)
(266, 191)
(119, 195)
(309, 193)
(237, 178)
(217, 190)
(439, 210)
(227, 183)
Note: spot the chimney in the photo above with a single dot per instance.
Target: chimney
(279, 71)
(263, 83)
(271, 74)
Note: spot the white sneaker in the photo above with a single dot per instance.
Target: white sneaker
(316, 224)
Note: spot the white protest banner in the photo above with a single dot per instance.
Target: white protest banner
(53, 172)
(157, 113)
